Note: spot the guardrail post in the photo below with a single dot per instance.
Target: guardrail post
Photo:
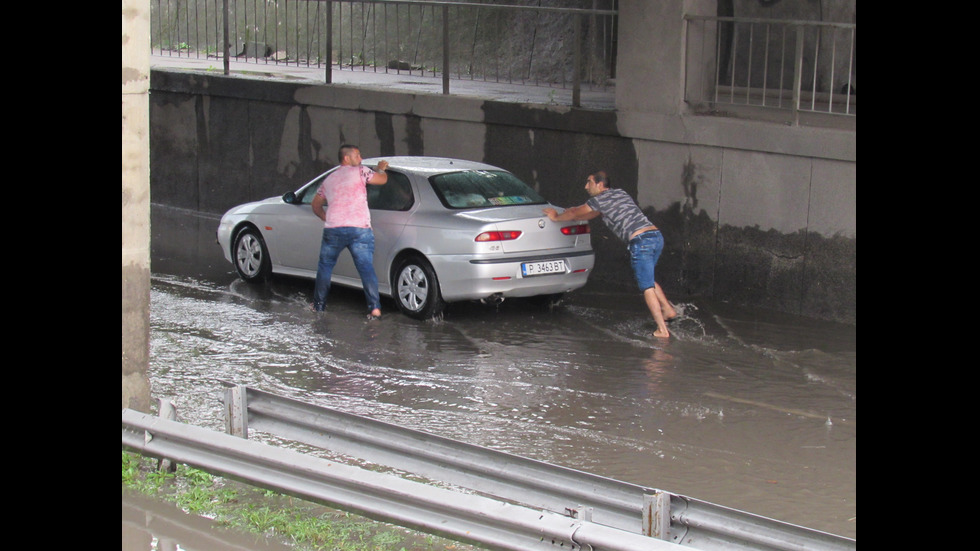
(656, 515)
(236, 411)
(167, 410)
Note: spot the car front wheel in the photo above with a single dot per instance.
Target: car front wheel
(252, 256)
(417, 289)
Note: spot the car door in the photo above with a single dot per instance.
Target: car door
(391, 206)
(296, 239)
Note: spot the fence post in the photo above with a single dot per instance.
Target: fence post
(577, 76)
(329, 76)
(227, 45)
(445, 49)
(798, 74)
(236, 411)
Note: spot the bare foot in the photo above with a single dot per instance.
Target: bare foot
(375, 314)
(669, 312)
(662, 334)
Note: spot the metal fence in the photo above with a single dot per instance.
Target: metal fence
(540, 45)
(730, 62)
(524, 503)
(780, 64)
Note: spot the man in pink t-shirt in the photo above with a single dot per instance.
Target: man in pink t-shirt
(347, 225)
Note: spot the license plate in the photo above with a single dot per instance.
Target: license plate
(543, 268)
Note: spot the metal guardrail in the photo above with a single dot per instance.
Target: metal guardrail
(465, 517)
(645, 512)
(622, 505)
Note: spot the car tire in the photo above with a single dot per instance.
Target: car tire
(417, 289)
(251, 256)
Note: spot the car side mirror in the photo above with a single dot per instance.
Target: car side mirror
(289, 197)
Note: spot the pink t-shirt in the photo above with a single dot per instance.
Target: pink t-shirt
(346, 193)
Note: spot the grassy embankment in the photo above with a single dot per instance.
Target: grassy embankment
(303, 524)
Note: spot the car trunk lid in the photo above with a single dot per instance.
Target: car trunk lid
(537, 232)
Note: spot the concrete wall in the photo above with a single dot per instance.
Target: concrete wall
(752, 212)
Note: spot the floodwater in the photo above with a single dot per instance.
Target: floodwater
(748, 409)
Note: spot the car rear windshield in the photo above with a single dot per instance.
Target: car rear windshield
(483, 188)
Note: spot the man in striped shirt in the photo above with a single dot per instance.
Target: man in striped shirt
(643, 239)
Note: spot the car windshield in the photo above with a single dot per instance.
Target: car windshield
(483, 188)
(305, 195)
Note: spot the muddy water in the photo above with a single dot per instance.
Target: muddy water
(747, 409)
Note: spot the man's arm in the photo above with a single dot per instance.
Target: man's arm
(581, 212)
(318, 202)
(380, 176)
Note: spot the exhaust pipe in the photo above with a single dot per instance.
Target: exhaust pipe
(494, 299)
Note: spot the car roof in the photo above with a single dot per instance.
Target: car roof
(432, 165)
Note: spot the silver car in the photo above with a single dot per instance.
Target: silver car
(446, 230)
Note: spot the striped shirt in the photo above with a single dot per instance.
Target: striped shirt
(619, 212)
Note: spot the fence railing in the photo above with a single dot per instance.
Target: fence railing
(601, 512)
(797, 66)
(549, 46)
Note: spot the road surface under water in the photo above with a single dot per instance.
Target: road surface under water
(749, 409)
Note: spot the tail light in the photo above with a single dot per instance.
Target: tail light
(575, 230)
(498, 236)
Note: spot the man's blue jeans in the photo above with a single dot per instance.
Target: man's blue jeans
(360, 242)
(645, 250)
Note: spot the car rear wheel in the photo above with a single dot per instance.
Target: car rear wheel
(252, 256)
(417, 289)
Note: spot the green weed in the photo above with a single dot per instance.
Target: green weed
(304, 524)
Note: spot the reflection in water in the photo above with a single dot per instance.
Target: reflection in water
(732, 409)
(656, 369)
(151, 525)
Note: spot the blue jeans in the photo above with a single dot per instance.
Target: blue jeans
(360, 242)
(645, 250)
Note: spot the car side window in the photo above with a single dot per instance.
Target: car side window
(396, 194)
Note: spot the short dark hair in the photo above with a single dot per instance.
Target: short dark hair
(602, 177)
(344, 151)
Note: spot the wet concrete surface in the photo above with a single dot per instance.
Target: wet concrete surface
(748, 409)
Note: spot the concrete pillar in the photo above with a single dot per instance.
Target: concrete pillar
(649, 71)
(135, 204)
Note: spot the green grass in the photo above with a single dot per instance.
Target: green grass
(303, 524)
